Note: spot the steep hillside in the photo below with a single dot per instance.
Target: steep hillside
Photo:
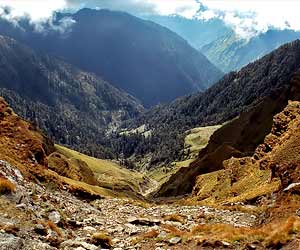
(230, 52)
(236, 93)
(274, 162)
(72, 106)
(143, 58)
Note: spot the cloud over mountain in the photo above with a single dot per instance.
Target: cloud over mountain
(247, 17)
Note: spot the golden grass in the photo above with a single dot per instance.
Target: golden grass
(54, 228)
(101, 239)
(6, 186)
(150, 234)
(198, 138)
(271, 235)
(217, 187)
(175, 218)
(109, 174)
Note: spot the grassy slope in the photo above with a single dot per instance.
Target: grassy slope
(109, 174)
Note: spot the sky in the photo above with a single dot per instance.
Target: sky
(246, 17)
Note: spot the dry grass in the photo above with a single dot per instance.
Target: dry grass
(150, 234)
(198, 138)
(109, 175)
(54, 228)
(101, 239)
(174, 231)
(175, 218)
(273, 234)
(217, 187)
(6, 186)
(10, 228)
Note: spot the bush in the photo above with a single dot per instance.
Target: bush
(6, 186)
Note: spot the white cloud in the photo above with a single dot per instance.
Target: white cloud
(35, 9)
(251, 17)
(187, 8)
(247, 17)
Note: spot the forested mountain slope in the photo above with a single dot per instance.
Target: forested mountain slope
(72, 106)
(231, 96)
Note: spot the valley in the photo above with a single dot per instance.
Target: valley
(119, 129)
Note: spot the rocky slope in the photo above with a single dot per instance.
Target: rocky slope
(230, 52)
(72, 106)
(274, 162)
(143, 58)
(41, 210)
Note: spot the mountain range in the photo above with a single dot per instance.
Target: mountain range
(231, 52)
(140, 57)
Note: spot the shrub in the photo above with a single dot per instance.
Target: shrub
(101, 239)
(6, 186)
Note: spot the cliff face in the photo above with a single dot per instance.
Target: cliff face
(238, 138)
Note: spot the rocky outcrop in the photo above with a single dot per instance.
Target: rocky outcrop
(20, 140)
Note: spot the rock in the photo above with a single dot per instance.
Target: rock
(10, 242)
(294, 187)
(144, 221)
(175, 240)
(21, 206)
(35, 245)
(89, 229)
(72, 244)
(54, 217)
(162, 235)
(40, 229)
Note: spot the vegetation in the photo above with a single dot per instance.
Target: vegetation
(236, 93)
(6, 186)
(109, 175)
(101, 239)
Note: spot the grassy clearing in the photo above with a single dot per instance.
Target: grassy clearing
(198, 139)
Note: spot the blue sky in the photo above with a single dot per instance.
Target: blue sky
(246, 17)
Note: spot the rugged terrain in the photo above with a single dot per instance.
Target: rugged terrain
(41, 209)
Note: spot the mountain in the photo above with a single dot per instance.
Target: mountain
(143, 58)
(230, 97)
(196, 31)
(71, 105)
(230, 52)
